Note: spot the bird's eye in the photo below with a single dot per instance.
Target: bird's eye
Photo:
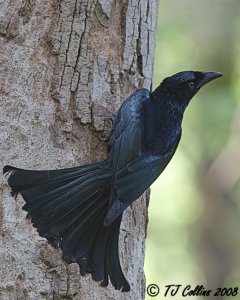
(191, 85)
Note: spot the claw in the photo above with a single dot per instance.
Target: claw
(105, 137)
(107, 134)
(111, 119)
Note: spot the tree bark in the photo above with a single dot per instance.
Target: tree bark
(66, 65)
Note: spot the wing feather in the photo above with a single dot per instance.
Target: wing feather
(134, 167)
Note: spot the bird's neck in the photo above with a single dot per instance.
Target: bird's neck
(173, 107)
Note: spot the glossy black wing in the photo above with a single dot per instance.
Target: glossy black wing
(127, 133)
(134, 171)
(135, 178)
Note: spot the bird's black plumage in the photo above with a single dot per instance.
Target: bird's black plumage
(80, 209)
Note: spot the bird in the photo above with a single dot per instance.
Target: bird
(79, 209)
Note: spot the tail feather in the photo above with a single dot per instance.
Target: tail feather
(77, 248)
(113, 263)
(56, 200)
(82, 247)
(99, 264)
(81, 226)
(50, 179)
(96, 262)
(68, 208)
(64, 204)
(69, 217)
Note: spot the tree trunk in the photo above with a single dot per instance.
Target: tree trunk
(66, 65)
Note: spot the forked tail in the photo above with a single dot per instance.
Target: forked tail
(68, 207)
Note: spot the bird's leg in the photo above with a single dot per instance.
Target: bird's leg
(108, 128)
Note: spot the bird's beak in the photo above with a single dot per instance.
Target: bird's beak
(209, 76)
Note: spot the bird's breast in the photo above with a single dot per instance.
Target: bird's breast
(163, 140)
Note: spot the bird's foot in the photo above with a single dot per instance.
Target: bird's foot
(108, 128)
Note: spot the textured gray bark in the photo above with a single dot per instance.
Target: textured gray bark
(65, 66)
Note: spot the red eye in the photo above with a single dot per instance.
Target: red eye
(191, 85)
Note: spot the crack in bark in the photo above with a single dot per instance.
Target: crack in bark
(138, 48)
(69, 41)
(101, 16)
(80, 47)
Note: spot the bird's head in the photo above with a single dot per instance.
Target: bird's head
(182, 86)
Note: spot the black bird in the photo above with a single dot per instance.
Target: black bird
(80, 209)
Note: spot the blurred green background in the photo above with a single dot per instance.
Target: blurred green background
(194, 214)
